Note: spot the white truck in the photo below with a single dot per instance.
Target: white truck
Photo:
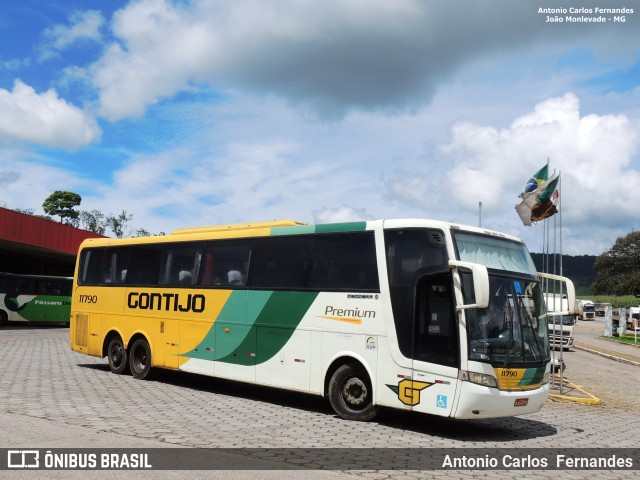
(586, 309)
(560, 326)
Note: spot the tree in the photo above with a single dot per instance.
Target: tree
(26, 211)
(117, 224)
(93, 221)
(618, 269)
(141, 232)
(62, 204)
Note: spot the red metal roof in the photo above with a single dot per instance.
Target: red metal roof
(38, 232)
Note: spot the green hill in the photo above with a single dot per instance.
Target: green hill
(578, 268)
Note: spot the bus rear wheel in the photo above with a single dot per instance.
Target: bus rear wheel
(117, 355)
(140, 359)
(351, 395)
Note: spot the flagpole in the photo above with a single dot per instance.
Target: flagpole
(569, 307)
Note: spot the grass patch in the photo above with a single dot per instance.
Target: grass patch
(624, 301)
(628, 339)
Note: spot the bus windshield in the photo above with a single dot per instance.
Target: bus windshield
(498, 253)
(512, 330)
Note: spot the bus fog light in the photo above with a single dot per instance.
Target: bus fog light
(478, 378)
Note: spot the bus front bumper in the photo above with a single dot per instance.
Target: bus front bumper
(476, 401)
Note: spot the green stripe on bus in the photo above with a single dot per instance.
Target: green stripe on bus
(532, 376)
(279, 319)
(297, 230)
(341, 227)
(321, 228)
(268, 319)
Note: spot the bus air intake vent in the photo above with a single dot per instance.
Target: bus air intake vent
(82, 329)
(437, 238)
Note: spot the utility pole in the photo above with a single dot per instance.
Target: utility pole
(479, 214)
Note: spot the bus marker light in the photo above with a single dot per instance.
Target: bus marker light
(521, 402)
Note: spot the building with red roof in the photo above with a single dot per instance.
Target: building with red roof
(34, 245)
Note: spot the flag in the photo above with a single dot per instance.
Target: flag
(539, 203)
(524, 211)
(536, 181)
(547, 203)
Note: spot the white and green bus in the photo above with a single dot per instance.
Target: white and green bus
(35, 298)
(415, 314)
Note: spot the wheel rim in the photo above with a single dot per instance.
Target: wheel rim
(355, 392)
(117, 355)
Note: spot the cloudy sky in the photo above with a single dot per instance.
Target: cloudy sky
(187, 113)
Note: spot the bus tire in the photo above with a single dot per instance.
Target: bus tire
(140, 359)
(117, 355)
(351, 395)
(4, 318)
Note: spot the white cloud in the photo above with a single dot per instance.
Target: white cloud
(597, 155)
(84, 25)
(333, 56)
(27, 180)
(44, 119)
(407, 189)
(344, 213)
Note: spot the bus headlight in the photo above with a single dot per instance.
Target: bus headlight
(478, 378)
(546, 377)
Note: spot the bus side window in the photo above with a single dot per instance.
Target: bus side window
(90, 266)
(144, 265)
(280, 262)
(181, 264)
(114, 265)
(221, 257)
(344, 262)
(411, 254)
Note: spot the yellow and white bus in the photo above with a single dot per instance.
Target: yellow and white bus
(411, 314)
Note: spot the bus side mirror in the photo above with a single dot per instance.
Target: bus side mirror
(571, 294)
(480, 283)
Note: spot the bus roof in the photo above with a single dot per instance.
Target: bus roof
(237, 226)
(289, 227)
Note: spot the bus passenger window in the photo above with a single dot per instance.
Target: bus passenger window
(181, 264)
(223, 257)
(344, 262)
(144, 265)
(280, 262)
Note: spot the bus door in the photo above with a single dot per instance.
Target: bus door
(436, 350)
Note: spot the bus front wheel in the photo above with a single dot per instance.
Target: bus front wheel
(350, 394)
(140, 359)
(117, 355)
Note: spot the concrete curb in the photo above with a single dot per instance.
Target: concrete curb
(606, 355)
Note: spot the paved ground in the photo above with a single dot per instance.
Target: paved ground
(51, 397)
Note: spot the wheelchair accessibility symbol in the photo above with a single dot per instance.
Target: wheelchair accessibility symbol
(441, 401)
